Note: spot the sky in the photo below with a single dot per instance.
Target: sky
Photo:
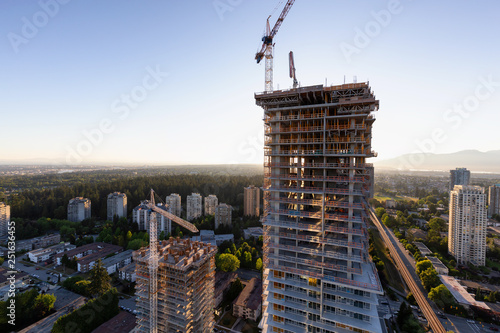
(173, 82)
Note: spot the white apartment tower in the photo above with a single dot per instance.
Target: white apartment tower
(211, 203)
(318, 276)
(223, 215)
(251, 197)
(4, 220)
(467, 226)
(142, 215)
(193, 206)
(459, 176)
(494, 200)
(79, 209)
(174, 202)
(117, 205)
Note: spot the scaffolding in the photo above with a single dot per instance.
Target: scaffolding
(185, 291)
(317, 272)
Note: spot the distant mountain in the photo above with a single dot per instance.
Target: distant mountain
(473, 160)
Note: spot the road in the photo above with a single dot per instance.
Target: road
(408, 273)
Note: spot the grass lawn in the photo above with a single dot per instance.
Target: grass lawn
(384, 197)
(390, 272)
(248, 328)
(491, 263)
(229, 319)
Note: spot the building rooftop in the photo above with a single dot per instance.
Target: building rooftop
(130, 268)
(423, 249)
(459, 292)
(93, 246)
(436, 262)
(117, 258)
(251, 296)
(178, 253)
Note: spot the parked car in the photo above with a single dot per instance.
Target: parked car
(493, 328)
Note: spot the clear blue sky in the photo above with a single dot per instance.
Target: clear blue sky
(66, 70)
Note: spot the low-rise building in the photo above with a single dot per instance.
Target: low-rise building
(209, 237)
(41, 255)
(440, 268)
(248, 304)
(99, 249)
(223, 281)
(37, 242)
(255, 232)
(122, 259)
(127, 272)
(423, 249)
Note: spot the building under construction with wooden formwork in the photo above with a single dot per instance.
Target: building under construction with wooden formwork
(318, 276)
(185, 296)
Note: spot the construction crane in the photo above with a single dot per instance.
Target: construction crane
(153, 255)
(292, 70)
(267, 46)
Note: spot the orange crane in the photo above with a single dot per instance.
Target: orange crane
(267, 45)
(153, 255)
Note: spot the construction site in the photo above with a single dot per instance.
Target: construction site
(318, 276)
(185, 289)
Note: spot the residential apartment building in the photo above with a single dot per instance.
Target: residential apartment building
(4, 220)
(251, 198)
(318, 276)
(114, 263)
(127, 272)
(38, 242)
(173, 201)
(100, 249)
(494, 200)
(142, 215)
(459, 176)
(223, 215)
(193, 206)
(467, 225)
(79, 209)
(248, 304)
(42, 255)
(211, 203)
(185, 280)
(117, 205)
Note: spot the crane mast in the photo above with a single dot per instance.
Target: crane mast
(153, 269)
(153, 256)
(267, 45)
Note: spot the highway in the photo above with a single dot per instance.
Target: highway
(411, 279)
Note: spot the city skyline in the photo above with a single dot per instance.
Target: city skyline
(68, 69)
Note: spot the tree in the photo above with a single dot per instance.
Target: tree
(44, 303)
(441, 296)
(437, 224)
(258, 264)
(247, 259)
(380, 211)
(429, 278)
(99, 280)
(423, 265)
(227, 262)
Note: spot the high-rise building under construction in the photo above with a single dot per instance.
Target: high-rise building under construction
(185, 287)
(318, 276)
